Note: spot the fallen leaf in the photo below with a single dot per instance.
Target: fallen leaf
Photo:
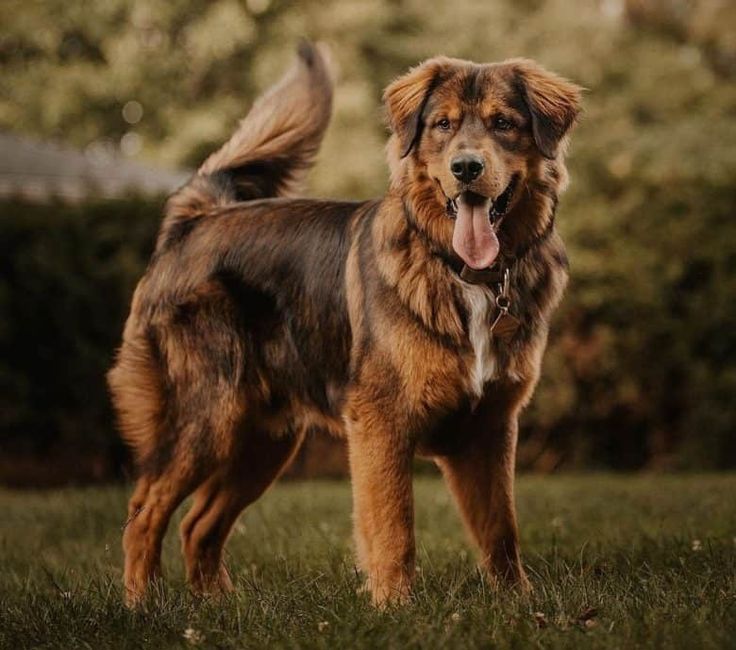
(587, 614)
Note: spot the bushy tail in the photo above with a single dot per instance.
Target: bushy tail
(274, 146)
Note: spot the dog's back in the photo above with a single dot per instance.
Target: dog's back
(268, 156)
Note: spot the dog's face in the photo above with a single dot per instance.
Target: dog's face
(477, 133)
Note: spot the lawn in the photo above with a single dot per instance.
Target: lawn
(616, 562)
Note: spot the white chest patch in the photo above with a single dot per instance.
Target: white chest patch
(480, 304)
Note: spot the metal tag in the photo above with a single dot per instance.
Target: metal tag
(505, 327)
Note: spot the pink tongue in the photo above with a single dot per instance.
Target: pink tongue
(473, 239)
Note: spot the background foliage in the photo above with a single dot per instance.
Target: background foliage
(641, 371)
(67, 274)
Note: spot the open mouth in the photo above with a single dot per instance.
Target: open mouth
(477, 220)
(497, 209)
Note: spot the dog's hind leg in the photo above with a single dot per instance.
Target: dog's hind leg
(153, 502)
(192, 461)
(180, 402)
(220, 500)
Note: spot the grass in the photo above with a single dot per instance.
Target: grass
(616, 562)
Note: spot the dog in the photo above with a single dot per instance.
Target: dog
(413, 324)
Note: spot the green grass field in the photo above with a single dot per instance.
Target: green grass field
(616, 562)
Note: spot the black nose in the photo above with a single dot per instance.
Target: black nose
(466, 168)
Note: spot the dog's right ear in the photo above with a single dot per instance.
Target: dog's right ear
(405, 99)
(553, 102)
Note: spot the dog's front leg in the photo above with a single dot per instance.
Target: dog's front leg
(481, 478)
(383, 508)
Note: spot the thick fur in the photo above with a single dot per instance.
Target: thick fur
(262, 317)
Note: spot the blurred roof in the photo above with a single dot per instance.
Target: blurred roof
(41, 171)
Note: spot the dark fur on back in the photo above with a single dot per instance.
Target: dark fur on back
(268, 156)
(263, 316)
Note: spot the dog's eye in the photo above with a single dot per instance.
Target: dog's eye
(443, 124)
(502, 124)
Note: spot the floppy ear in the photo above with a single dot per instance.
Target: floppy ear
(554, 104)
(405, 99)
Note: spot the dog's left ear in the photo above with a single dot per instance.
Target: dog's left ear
(405, 99)
(553, 102)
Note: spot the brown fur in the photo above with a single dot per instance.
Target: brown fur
(260, 319)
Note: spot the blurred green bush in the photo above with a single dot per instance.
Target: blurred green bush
(66, 277)
(641, 370)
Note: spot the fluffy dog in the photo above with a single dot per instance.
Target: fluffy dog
(410, 324)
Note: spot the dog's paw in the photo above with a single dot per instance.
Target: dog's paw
(386, 594)
(523, 585)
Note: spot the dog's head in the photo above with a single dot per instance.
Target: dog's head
(468, 138)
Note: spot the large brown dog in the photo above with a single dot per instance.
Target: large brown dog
(411, 324)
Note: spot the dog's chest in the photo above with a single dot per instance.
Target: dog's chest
(483, 364)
